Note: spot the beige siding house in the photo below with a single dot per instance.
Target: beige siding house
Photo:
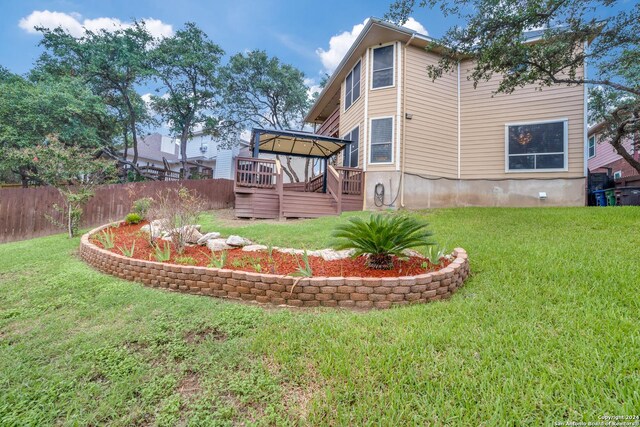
(445, 143)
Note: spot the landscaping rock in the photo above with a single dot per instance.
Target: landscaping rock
(203, 240)
(254, 248)
(332, 255)
(192, 233)
(292, 251)
(218, 245)
(238, 241)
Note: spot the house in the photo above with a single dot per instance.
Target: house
(602, 157)
(159, 155)
(425, 144)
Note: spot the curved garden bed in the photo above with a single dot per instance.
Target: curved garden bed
(432, 282)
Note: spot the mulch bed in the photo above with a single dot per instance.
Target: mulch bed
(260, 261)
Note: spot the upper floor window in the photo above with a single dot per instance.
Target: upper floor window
(382, 67)
(592, 146)
(382, 140)
(537, 146)
(352, 86)
(350, 153)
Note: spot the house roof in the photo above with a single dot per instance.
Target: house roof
(375, 31)
(297, 143)
(150, 147)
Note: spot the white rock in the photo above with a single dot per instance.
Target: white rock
(254, 248)
(332, 255)
(191, 233)
(218, 245)
(208, 236)
(237, 241)
(291, 251)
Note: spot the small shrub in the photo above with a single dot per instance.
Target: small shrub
(216, 262)
(162, 254)
(237, 263)
(106, 239)
(128, 252)
(176, 209)
(186, 260)
(381, 237)
(132, 218)
(141, 206)
(435, 254)
(257, 267)
(306, 270)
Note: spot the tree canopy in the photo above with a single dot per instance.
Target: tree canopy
(548, 42)
(187, 67)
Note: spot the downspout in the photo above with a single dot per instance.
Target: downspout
(585, 146)
(403, 118)
(365, 138)
(459, 119)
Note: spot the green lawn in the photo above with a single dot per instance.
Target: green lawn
(546, 329)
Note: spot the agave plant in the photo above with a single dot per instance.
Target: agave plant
(381, 237)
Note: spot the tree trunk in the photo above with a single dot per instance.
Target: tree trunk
(285, 169)
(69, 216)
(132, 123)
(293, 172)
(183, 153)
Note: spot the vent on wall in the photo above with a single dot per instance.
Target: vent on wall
(204, 148)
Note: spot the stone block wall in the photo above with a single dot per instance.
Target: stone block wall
(348, 292)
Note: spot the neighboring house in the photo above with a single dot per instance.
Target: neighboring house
(604, 158)
(427, 144)
(205, 155)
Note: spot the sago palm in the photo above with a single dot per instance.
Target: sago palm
(381, 237)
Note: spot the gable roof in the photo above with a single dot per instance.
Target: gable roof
(375, 31)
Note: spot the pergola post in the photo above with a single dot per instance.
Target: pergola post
(256, 145)
(324, 176)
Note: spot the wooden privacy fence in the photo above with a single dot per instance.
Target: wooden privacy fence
(23, 211)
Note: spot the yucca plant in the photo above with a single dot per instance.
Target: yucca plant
(162, 254)
(106, 238)
(128, 252)
(381, 237)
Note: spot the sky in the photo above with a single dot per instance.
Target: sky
(313, 36)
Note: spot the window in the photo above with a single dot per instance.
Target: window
(352, 86)
(350, 153)
(381, 140)
(382, 67)
(592, 146)
(617, 175)
(536, 146)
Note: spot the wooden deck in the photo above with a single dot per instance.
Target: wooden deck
(261, 192)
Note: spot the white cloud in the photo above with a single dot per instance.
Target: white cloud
(76, 25)
(414, 25)
(339, 44)
(312, 86)
(338, 47)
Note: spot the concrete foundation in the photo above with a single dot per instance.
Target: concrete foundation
(423, 192)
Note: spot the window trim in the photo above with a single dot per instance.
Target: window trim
(393, 84)
(619, 173)
(353, 101)
(349, 147)
(591, 138)
(565, 168)
(393, 128)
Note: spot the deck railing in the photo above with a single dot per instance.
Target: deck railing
(331, 126)
(257, 173)
(315, 183)
(334, 184)
(159, 174)
(351, 180)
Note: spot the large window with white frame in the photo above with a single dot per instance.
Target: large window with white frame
(591, 146)
(381, 140)
(382, 73)
(540, 146)
(352, 86)
(351, 151)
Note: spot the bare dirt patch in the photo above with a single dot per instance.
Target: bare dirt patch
(189, 386)
(208, 333)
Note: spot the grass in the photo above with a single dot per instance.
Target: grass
(547, 329)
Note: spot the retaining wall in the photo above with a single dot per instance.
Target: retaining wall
(349, 292)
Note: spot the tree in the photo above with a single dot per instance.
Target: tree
(74, 171)
(261, 91)
(31, 112)
(113, 63)
(494, 36)
(187, 65)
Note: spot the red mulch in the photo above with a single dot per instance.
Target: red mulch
(279, 263)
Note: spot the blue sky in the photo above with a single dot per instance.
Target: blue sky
(291, 30)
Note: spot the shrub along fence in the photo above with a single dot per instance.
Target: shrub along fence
(24, 211)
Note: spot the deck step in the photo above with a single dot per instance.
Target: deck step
(308, 205)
